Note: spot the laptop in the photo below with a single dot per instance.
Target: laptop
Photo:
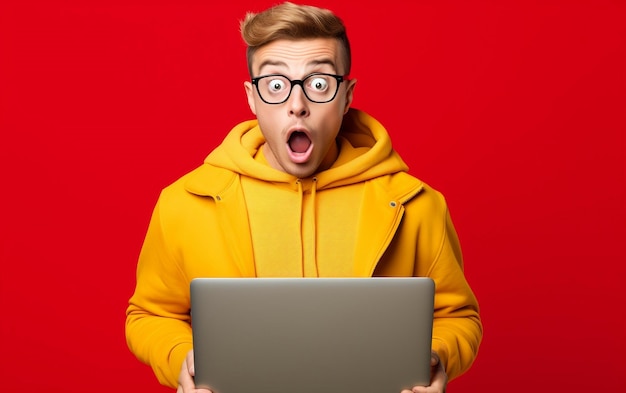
(312, 335)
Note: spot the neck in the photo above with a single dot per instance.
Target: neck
(330, 157)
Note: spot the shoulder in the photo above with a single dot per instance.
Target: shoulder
(409, 189)
(420, 200)
(192, 194)
(205, 180)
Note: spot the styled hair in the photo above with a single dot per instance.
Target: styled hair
(292, 22)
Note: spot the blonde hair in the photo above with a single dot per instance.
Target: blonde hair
(291, 21)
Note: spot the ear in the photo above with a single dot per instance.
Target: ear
(349, 95)
(250, 94)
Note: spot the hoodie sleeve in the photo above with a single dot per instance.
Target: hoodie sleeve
(158, 329)
(457, 328)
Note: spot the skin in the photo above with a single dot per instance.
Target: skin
(438, 379)
(321, 122)
(185, 378)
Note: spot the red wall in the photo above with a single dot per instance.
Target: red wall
(515, 110)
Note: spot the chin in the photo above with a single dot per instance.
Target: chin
(302, 172)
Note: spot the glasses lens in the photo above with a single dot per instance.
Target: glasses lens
(320, 87)
(275, 89)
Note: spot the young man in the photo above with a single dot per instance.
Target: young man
(308, 183)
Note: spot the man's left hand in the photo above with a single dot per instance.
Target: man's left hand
(438, 378)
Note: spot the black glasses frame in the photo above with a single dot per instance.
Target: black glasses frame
(339, 78)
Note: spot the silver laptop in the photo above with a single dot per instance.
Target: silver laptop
(312, 335)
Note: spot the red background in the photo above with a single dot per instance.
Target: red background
(514, 110)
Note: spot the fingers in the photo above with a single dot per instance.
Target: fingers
(438, 381)
(190, 363)
(434, 388)
(426, 389)
(185, 378)
(186, 383)
(434, 359)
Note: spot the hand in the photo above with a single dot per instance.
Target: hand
(185, 378)
(438, 378)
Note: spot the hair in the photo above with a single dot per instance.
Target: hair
(292, 22)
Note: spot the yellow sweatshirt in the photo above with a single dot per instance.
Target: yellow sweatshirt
(235, 216)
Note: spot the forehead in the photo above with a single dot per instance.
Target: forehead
(295, 56)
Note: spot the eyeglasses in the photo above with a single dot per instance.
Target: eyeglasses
(318, 87)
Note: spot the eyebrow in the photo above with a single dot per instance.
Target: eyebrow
(311, 63)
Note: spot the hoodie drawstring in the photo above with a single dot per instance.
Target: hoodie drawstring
(308, 225)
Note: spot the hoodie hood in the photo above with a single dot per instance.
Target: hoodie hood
(365, 152)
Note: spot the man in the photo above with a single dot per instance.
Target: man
(308, 183)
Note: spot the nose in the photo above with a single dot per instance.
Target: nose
(298, 104)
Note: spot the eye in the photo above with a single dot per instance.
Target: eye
(318, 83)
(276, 85)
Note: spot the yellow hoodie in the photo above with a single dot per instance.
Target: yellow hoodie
(235, 216)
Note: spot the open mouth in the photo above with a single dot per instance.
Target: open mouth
(299, 142)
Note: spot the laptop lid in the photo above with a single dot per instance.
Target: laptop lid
(312, 335)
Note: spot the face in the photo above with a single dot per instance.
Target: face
(300, 134)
